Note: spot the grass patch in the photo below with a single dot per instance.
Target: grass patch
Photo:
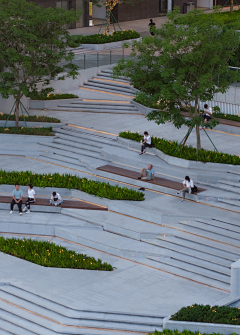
(31, 118)
(116, 36)
(50, 255)
(27, 131)
(188, 152)
(208, 314)
(100, 189)
(52, 96)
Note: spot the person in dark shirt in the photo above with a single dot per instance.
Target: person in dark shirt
(152, 27)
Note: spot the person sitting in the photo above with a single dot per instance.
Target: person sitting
(148, 174)
(56, 199)
(146, 142)
(207, 114)
(188, 186)
(31, 198)
(17, 195)
(152, 27)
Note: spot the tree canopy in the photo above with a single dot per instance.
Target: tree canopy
(184, 63)
(33, 47)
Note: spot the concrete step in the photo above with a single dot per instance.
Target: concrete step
(104, 105)
(218, 231)
(73, 144)
(95, 110)
(109, 102)
(172, 245)
(234, 172)
(104, 91)
(117, 87)
(106, 88)
(113, 84)
(229, 183)
(230, 202)
(68, 316)
(170, 268)
(67, 161)
(228, 221)
(74, 150)
(221, 225)
(202, 245)
(81, 141)
(222, 187)
(109, 76)
(4, 332)
(90, 138)
(104, 77)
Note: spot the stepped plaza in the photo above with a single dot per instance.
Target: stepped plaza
(166, 254)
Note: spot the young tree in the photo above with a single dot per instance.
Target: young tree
(33, 47)
(186, 61)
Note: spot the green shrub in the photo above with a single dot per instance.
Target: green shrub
(50, 255)
(184, 332)
(27, 131)
(100, 189)
(30, 118)
(219, 115)
(53, 96)
(188, 152)
(114, 37)
(208, 314)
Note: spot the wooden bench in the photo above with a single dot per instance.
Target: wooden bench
(78, 204)
(134, 175)
(222, 121)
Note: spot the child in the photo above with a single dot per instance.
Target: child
(31, 198)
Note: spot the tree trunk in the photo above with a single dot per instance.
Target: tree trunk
(108, 20)
(197, 128)
(16, 113)
(186, 137)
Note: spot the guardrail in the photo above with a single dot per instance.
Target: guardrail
(225, 108)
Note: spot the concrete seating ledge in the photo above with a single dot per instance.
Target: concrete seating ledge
(179, 161)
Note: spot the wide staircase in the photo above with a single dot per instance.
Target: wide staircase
(25, 313)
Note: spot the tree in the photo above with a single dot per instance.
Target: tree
(186, 61)
(33, 47)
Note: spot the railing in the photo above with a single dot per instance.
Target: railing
(225, 108)
(89, 59)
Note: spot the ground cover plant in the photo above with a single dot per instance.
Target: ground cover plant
(184, 332)
(28, 131)
(208, 314)
(187, 152)
(103, 38)
(100, 189)
(31, 118)
(50, 255)
(52, 96)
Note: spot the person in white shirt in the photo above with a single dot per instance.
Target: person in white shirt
(207, 114)
(56, 199)
(146, 142)
(31, 198)
(187, 187)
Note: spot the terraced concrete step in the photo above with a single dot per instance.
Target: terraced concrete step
(104, 89)
(81, 141)
(201, 231)
(107, 78)
(90, 138)
(194, 269)
(234, 172)
(228, 221)
(108, 102)
(230, 202)
(104, 105)
(68, 149)
(68, 162)
(221, 225)
(229, 183)
(113, 84)
(27, 299)
(117, 88)
(73, 144)
(204, 225)
(153, 261)
(205, 246)
(94, 110)
(177, 249)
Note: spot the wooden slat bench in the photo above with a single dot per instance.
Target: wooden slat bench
(134, 175)
(78, 204)
(222, 121)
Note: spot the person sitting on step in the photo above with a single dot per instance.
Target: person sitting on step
(207, 114)
(148, 174)
(146, 142)
(31, 198)
(188, 186)
(17, 195)
(56, 199)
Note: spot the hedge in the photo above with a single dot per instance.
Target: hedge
(219, 115)
(50, 255)
(27, 131)
(208, 314)
(187, 152)
(52, 96)
(116, 36)
(184, 332)
(30, 118)
(100, 189)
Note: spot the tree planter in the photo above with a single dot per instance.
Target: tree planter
(30, 124)
(143, 109)
(45, 104)
(207, 328)
(111, 45)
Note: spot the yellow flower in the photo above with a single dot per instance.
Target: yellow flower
(6, 129)
(21, 127)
